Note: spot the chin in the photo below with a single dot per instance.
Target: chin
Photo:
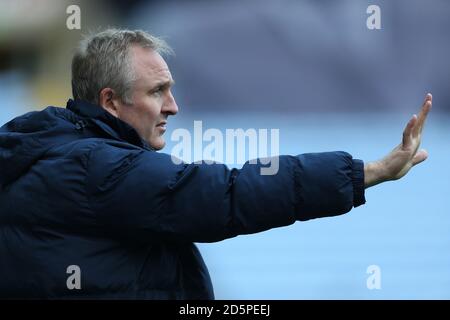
(158, 144)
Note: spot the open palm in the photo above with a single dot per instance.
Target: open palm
(406, 155)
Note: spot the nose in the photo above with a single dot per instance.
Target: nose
(170, 106)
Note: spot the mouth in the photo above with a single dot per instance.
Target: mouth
(162, 125)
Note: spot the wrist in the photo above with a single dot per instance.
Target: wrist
(374, 173)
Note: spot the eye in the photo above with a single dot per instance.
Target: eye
(158, 91)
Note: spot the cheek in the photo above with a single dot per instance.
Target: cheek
(153, 108)
(144, 103)
(149, 113)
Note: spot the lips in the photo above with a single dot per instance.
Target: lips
(162, 125)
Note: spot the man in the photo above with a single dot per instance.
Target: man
(88, 209)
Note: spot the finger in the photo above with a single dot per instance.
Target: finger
(408, 131)
(423, 114)
(428, 101)
(420, 156)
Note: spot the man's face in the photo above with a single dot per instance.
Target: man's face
(152, 99)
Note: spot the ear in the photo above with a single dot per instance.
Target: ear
(108, 102)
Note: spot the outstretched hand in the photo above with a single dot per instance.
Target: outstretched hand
(405, 156)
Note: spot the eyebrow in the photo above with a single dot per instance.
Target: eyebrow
(164, 84)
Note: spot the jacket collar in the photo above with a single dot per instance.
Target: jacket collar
(113, 126)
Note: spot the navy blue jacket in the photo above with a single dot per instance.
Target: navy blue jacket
(79, 187)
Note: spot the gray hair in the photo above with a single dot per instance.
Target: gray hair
(103, 61)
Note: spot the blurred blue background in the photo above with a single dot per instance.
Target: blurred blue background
(311, 69)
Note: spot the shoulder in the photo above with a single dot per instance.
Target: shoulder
(114, 164)
(108, 155)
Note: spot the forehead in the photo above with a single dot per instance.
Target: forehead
(148, 64)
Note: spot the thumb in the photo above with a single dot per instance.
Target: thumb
(419, 157)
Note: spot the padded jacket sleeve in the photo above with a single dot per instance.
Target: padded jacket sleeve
(142, 195)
